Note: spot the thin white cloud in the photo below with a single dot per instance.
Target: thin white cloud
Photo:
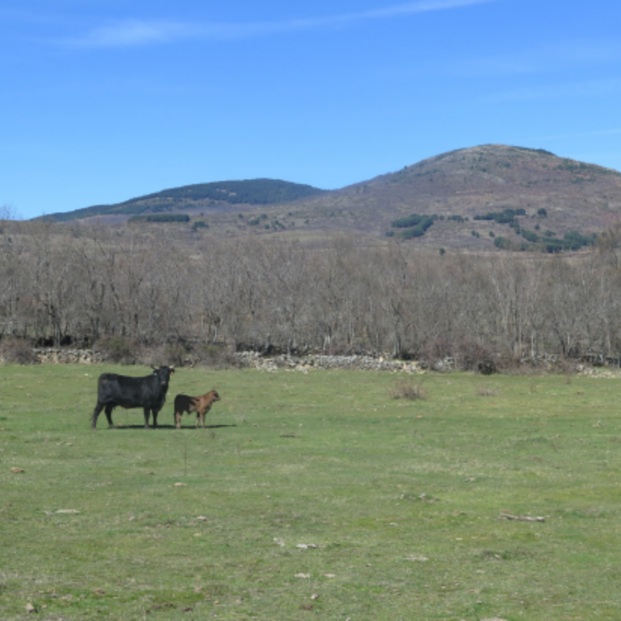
(134, 32)
(144, 32)
(417, 7)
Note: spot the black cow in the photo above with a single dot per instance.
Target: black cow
(148, 393)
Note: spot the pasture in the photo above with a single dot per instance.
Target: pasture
(312, 496)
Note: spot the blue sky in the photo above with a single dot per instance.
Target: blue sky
(105, 100)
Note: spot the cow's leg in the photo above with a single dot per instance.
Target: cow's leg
(155, 413)
(178, 420)
(96, 413)
(109, 409)
(147, 411)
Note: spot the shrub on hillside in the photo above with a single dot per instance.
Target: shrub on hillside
(200, 224)
(17, 351)
(475, 355)
(170, 355)
(183, 354)
(461, 354)
(435, 351)
(160, 218)
(117, 349)
(210, 355)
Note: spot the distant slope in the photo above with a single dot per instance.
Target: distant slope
(459, 192)
(201, 195)
(459, 185)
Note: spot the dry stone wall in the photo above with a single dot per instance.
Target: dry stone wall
(304, 364)
(307, 363)
(50, 355)
(251, 360)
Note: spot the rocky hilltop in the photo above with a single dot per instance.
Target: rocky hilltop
(561, 194)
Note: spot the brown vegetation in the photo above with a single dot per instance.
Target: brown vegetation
(407, 389)
(122, 289)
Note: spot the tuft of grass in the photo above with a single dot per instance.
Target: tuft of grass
(486, 391)
(407, 389)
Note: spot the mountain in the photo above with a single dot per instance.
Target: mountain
(470, 198)
(222, 195)
(557, 195)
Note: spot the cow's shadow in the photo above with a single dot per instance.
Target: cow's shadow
(192, 427)
(206, 427)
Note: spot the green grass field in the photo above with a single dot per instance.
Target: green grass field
(312, 496)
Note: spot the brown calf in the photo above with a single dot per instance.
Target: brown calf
(200, 405)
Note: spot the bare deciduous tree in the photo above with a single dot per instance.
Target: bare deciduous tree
(88, 282)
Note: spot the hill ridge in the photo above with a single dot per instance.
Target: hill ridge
(456, 188)
(260, 191)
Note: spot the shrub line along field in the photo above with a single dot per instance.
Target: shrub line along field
(325, 494)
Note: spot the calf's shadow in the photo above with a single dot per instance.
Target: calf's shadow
(122, 426)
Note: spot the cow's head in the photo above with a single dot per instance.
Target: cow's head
(163, 374)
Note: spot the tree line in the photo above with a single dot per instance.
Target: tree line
(81, 284)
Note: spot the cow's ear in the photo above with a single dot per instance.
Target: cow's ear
(172, 370)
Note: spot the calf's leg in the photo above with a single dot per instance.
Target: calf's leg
(201, 414)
